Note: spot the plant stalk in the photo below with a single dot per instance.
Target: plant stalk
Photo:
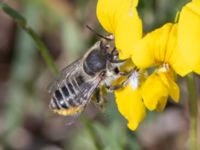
(193, 107)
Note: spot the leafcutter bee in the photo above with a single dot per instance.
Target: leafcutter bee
(85, 77)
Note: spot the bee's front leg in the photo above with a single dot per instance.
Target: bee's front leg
(123, 73)
(117, 87)
(100, 99)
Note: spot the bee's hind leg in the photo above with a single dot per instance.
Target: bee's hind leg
(100, 101)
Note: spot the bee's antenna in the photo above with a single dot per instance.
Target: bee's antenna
(91, 29)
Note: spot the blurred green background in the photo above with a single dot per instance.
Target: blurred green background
(26, 123)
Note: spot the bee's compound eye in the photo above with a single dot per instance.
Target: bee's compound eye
(116, 70)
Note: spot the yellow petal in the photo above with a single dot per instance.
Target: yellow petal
(153, 90)
(135, 3)
(174, 59)
(130, 105)
(174, 91)
(142, 55)
(196, 1)
(109, 12)
(157, 88)
(161, 104)
(189, 34)
(128, 32)
(168, 80)
(106, 10)
(179, 64)
(156, 47)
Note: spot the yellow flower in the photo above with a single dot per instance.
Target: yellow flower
(189, 35)
(120, 18)
(159, 48)
(173, 48)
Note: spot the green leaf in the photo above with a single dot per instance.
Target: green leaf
(39, 44)
(13, 13)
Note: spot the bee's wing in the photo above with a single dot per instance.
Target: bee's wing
(65, 73)
(87, 90)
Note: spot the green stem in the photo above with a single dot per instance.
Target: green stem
(193, 106)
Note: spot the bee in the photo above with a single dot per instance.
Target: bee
(86, 77)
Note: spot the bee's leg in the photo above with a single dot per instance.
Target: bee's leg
(117, 86)
(123, 73)
(117, 61)
(100, 99)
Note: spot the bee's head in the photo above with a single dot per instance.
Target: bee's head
(105, 48)
(108, 49)
(107, 44)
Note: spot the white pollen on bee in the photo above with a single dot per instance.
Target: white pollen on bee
(109, 73)
(134, 80)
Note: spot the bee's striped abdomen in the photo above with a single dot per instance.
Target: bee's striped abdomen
(58, 98)
(65, 91)
(67, 96)
(58, 95)
(71, 88)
